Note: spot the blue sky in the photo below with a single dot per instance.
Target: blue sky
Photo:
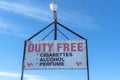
(96, 20)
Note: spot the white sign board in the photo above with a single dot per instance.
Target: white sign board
(55, 54)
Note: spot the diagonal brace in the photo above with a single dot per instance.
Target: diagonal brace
(70, 30)
(40, 31)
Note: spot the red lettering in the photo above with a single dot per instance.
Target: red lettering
(80, 46)
(66, 46)
(50, 47)
(78, 63)
(30, 64)
(30, 47)
(37, 47)
(73, 47)
(59, 46)
(44, 46)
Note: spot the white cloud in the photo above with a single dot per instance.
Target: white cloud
(9, 28)
(7, 74)
(30, 11)
(80, 21)
(17, 76)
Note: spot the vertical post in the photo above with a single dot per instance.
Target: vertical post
(22, 73)
(88, 76)
(53, 7)
(55, 25)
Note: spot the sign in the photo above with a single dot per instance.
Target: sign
(65, 54)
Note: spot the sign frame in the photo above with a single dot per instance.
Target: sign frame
(55, 38)
(55, 54)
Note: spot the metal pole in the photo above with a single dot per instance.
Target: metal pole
(55, 25)
(22, 73)
(88, 75)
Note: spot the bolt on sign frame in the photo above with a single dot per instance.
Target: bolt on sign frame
(55, 23)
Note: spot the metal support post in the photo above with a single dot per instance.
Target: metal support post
(22, 74)
(87, 60)
(55, 25)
